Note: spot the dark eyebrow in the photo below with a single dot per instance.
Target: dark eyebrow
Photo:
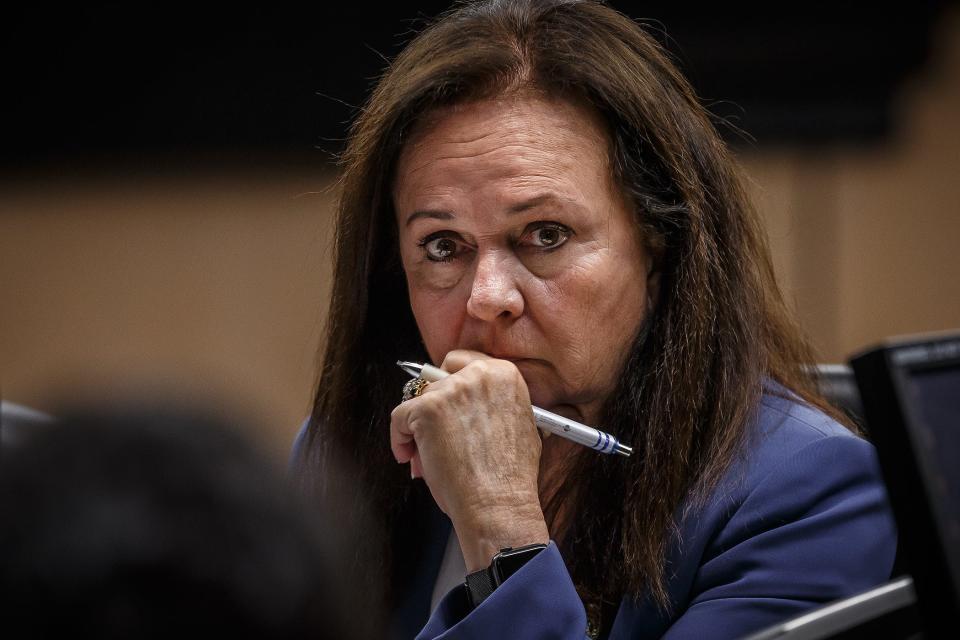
(429, 213)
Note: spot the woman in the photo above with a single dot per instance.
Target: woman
(534, 200)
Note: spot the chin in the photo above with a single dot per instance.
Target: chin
(539, 387)
(546, 397)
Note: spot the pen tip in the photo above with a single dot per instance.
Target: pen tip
(412, 368)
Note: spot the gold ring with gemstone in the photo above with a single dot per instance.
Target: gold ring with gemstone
(413, 388)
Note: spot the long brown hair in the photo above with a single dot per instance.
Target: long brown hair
(717, 334)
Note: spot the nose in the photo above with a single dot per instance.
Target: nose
(494, 294)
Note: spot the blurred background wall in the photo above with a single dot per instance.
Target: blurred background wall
(165, 215)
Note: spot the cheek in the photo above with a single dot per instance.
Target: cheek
(592, 294)
(439, 314)
(436, 300)
(593, 312)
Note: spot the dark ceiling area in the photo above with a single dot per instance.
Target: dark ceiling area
(124, 80)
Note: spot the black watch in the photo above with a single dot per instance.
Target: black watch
(481, 584)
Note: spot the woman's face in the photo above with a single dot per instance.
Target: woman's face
(516, 242)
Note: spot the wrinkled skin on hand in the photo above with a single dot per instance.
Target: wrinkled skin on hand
(473, 439)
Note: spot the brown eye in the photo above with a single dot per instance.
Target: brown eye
(440, 248)
(549, 236)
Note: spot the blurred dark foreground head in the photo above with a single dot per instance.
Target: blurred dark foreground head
(146, 525)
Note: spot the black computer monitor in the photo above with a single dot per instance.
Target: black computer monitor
(910, 389)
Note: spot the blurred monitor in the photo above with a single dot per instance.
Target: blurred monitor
(837, 384)
(910, 389)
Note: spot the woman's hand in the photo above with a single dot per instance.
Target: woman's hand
(473, 439)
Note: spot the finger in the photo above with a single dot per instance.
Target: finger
(402, 443)
(488, 371)
(416, 467)
(459, 358)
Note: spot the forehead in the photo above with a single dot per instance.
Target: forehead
(528, 135)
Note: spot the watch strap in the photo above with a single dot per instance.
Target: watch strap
(480, 584)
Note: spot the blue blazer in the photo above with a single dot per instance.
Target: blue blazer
(800, 519)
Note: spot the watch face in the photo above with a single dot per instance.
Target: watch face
(509, 562)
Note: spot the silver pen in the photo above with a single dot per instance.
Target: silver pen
(563, 427)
